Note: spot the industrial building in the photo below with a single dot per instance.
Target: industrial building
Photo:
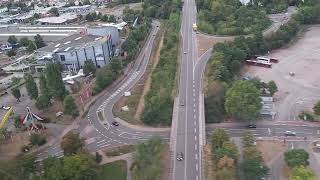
(96, 44)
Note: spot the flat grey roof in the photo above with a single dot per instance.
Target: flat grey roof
(69, 43)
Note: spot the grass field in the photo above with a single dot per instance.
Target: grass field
(116, 170)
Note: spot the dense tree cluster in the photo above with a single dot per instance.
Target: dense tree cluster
(161, 9)
(69, 106)
(159, 101)
(133, 43)
(229, 57)
(225, 155)
(103, 17)
(298, 160)
(243, 101)
(230, 17)
(252, 165)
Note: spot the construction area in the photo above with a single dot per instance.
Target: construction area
(296, 75)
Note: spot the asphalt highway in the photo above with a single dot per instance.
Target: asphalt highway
(188, 125)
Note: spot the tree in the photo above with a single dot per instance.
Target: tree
(43, 102)
(243, 101)
(218, 137)
(12, 40)
(112, 18)
(24, 41)
(31, 86)
(252, 152)
(70, 106)
(316, 108)
(39, 41)
(296, 157)
(89, 67)
(253, 169)
(71, 143)
(31, 46)
(37, 139)
(54, 81)
(103, 79)
(301, 173)
(115, 66)
(248, 139)
(53, 168)
(54, 11)
(227, 149)
(226, 174)
(11, 53)
(43, 85)
(272, 87)
(36, 16)
(80, 167)
(16, 93)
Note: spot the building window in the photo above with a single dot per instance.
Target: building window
(63, 58)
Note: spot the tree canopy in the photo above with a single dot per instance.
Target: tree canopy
(54, 81)
(89, 67)
(243, 101)
(70, 106)
(296, 157)
(71, 143)
(301, 173)
(31, 86)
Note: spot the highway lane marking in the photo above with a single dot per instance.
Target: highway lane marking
(194, 110)
(194, 116)
(101, 141)
(194, 105)
(196, 156)
(194, 123)
(197, 167)
(292, 147)
(195, 138)
(318, 131)
(194, 99)
(195, 130)
(195, 147)
(269, 131)
(197, 177)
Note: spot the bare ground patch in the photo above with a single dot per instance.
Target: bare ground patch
(205, 42)
(270, 149)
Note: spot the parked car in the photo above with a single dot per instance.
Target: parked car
(181, 102)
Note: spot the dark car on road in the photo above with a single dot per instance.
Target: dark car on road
(251, 126)
(115, 123)
(180, 156)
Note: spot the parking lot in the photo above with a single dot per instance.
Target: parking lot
(301, 91)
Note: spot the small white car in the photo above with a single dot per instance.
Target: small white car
(185, 52)
(6, 107)
(290, 133)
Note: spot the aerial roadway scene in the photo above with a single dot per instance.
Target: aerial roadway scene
(159, 90)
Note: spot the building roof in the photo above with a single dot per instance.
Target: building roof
(69, 43)
(58, 20)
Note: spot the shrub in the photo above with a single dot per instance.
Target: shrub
(37, 139)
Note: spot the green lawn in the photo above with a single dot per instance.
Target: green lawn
(114, 171)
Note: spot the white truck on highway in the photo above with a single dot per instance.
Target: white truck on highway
(194, 27)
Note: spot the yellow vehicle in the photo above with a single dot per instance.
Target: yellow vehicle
(194, 27)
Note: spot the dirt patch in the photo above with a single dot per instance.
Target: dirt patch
(270, 149)
(208, 163)
(50, 114)
(117, 151)
(10, 149)
(205, 42)
(301, 91)
(147, 85)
